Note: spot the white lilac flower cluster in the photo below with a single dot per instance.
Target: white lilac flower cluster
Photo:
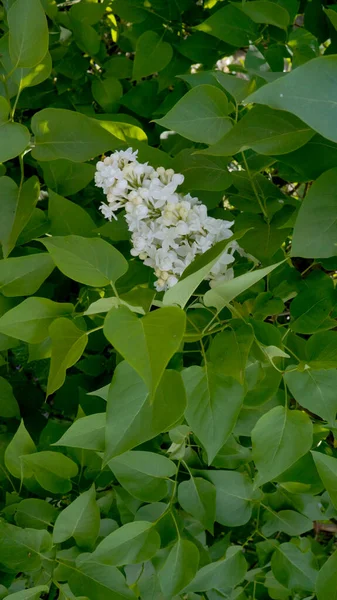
(168, 229)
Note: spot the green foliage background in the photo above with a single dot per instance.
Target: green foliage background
(177, 445)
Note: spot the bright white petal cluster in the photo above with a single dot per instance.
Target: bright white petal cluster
(168, 229)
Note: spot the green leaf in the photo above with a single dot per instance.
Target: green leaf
(52, 470)
(152, 55)
(225, 292)
(133, 417)
(22, 549)
(214, 401)
(287, 434)
(315, 391)
(28, 33)
(91, 261)
(321, 350)
(200, 116)
(24, 275)
(315, 230)
(98, 582)
(179, 568)
(32, 594)
(28, 77)
(294, 569)
(332, 15)
(327, 470)
(202, 172)
(266, 131)
(326, 583)
(222, 574)
(14, 136)
(66, 177)
(86, 433)
(234, 496)
(68, 345)
(107, 92)
(8, 405)
(147, 343)
(35, 513)
(313, 105)
(263, 11)
(313, 303)
(67, 134)
(17, 205)
(288, 521)
(30, 320)
(20, 445)
(68, 218)
(230, 349)
(80, 520)
(230, 25)
(132, 543)
(197, 497)
(143, 474)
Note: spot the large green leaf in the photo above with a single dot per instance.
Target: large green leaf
(326, 583)
(313, 104)
(147, 343)
(287, 434)
(66, 177)
(32, 594)
(24, 275)
(86, 433)
(22, 549)
(313, 304)
(214, 401)
(266, 131)
(8, 405)
(230, 25)
(321, 350)
(179, 568)
(14, 136)
(201, 115)
(107, 92)
(35, 513)
(315, 391)
(294, 569)
(30, 320)
(152, 55)
(97, 582)
(130, 544)
(230, 349)
(288, 521)
(263, 11)
(67, 134)
(203, 172)
(80, 520)
(234, 496)
(132, 417)
(67, 346)
(222, 574)
(66, 217)
(20, 445)
(52, 470)
(315, 231)
(17, 205)
(221, 295)
(28, 33)
(91, 261)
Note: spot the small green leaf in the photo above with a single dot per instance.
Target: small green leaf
(20, 445)
(197, 497)
(35, 513)
(30, 320)
(22, 549)
(147, 343)
(24, 275)
(222, 574)
(294, 569)
(67, 218)
(315, 391)
(179, 568)
(132, 543)
(67, 347)
(80, 520)
(152, 55)
(17, 206)
(214, 401)
(86, 433)
(107, 92)
(327, 470)
(288, 521)
(201, 115)
(32, 594)
(28, 33)
(97, 582)
(14, 136)
(287, 434)
(66, 177)
(8, 405)
(234, 496)
(225, 292)
(52, 470)
(230, 25)
(91, 261)
(230, 349)
(263, 11)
